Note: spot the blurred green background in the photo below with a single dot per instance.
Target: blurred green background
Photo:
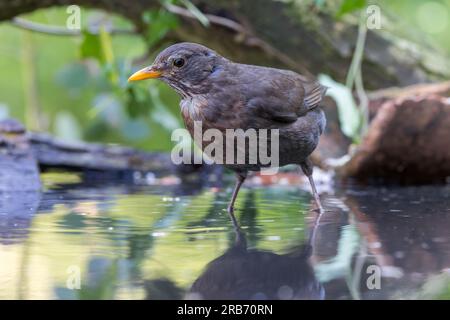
(75, 87)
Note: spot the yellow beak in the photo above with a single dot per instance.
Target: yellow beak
(146, 73)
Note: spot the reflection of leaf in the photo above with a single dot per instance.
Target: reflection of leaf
(73, 221)
(348, 6)
(278, 231)
(349, 116)
(249, 217)
(435, 287)
(338, 266)
(102, 275)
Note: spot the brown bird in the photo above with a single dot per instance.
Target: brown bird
(226, 95)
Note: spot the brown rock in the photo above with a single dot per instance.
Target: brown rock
(379, 97)
(407, 141)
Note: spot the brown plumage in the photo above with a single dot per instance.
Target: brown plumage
(227, 95)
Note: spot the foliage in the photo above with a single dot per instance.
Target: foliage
(80, 87)
(159, 22)
(348, 6)
(349, 115)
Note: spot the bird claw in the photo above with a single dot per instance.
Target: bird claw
(318, 207)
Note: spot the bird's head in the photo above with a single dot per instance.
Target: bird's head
(184, 66)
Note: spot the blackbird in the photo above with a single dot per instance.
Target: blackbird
(226, 95)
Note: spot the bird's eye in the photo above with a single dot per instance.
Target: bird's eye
(179, 62)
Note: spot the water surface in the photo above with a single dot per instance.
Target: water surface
(172, 241)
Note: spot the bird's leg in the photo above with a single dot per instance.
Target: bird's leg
(307, 168)
(240, 180)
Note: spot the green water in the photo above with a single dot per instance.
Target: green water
(122, 242)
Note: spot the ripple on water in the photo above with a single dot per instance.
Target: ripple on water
(155, 233)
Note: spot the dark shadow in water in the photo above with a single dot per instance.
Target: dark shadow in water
(248, 218)
(405, 229)
(403, 232)
(162, 289)
(243, 273)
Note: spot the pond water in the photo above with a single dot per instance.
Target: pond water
(87, 241)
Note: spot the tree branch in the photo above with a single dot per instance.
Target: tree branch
(291, 38)
(249, 38)
(61, 31)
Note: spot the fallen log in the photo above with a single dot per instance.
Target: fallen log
(51, 152)
(18, 165)
(23, 155)
(407, 142)
(377, 98)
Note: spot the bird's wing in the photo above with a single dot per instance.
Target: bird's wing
(280, 95)
(314, 94)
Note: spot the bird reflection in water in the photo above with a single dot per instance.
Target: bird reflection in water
(243, 273)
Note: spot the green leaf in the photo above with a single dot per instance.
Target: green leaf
(109, 108)
(4, 111)
(108, 55)
(67, 127)
(91, 47)
(138, 101)
(135, 129)
(106, 45)
(99, 47)
(349, 115)
(161, 114)
(74, 77)
(348, 6)
(319, 3)
(196, 12)
(160, 23)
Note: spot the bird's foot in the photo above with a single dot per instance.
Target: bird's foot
(317, 209)
(318, 205)
(230, 211)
